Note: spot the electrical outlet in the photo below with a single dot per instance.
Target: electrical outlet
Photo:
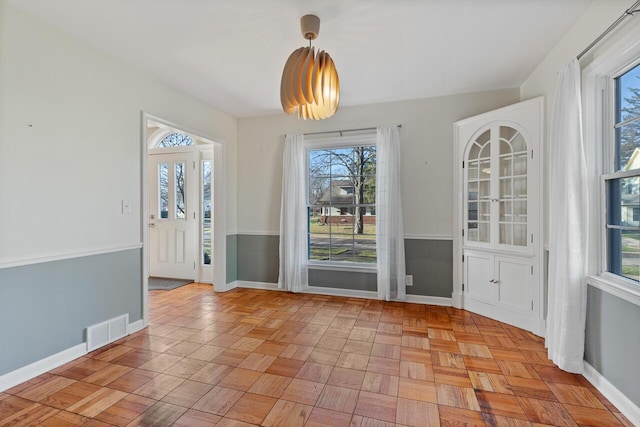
(408, 279)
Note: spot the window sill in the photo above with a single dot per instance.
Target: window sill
(622, 288)
(351, 267)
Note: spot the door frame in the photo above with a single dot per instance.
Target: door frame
(219, 236)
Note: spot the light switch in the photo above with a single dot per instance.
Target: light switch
(126, 207)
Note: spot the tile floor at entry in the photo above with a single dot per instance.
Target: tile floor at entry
(255, 357)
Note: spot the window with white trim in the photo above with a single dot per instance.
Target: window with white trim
(341, 188)
(622, 185)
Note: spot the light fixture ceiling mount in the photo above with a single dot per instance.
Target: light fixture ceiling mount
(310, 87)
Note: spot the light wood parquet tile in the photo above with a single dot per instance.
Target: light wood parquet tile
(249, 357)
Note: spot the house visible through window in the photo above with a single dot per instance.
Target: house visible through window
(623, 184)
(341, 204)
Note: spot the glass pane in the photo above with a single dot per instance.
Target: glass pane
(506, 237)
(485, 169)
(520, 234)
(163, 189)
(507, 133)
(505, 188)
(505, 211)
(472, 231)
(206, 212)
(472, 211)
(484, 137)
(472, 191)
(483, 231)
(520, 187)
(180, 190)
(628, 137)
(520, 164)
(628, 108)
(484, 190)
(484, 213)
(175, 140)
(518, 143)
(472, 172)
(629, 94)
(520, 211)
(505, 166)
(505, 148)
(485, 152)
(474, 151)
(341, 212)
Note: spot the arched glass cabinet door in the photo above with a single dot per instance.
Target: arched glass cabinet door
(513, 195)
(478, 194)
(496, 188)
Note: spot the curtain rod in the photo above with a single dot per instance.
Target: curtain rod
(346, 130)
(629, 12)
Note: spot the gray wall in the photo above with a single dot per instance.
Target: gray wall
(45, 308)
(612, 342)
(232, 258)
(431, 264)
(429, 261)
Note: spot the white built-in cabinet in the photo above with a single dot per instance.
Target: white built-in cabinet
(498, 207)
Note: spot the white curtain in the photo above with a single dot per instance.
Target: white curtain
(390, 232)
(568, 225)
(294, 271)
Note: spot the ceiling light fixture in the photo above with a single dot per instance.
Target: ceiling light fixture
(310, 86)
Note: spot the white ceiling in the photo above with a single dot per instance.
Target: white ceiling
(230, 53)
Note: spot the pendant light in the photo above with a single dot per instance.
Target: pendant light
(310, 87)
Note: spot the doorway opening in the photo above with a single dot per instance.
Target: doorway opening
(183, 219)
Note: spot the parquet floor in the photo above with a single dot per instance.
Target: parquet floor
(270, 358)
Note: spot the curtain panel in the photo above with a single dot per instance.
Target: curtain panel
(568, 225)
(294, 270)
(389, 228)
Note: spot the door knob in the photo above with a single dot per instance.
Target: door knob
(151, 225)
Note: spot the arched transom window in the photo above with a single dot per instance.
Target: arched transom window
(175, 140)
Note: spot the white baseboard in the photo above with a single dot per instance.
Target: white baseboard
(41, 366)
(136, 326)
(340, 292)
(423, 299)
(20, 375)
(615, 396)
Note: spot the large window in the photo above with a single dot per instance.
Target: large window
(623, 184)
(341, 204)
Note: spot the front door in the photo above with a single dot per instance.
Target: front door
(172, 215)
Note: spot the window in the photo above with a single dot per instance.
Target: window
(341, 204)
(205, 225)
(175, 140)
(623, 185)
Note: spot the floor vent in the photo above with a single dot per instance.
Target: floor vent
(106, 332)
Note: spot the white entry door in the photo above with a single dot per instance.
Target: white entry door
(172, 215)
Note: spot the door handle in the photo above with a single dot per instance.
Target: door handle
(151, 225)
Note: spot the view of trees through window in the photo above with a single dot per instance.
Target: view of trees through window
(342, 218)
(623, 188)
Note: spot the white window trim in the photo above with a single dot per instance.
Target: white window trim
(314, 143)
(619, 54)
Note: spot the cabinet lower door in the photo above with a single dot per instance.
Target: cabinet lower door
(479, 277)
(499, 287)
(514, 284)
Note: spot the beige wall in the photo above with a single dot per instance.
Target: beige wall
(70, 141)
(427, 149)
(543, 80)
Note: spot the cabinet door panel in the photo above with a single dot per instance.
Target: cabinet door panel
(514, 283)
(478, 277)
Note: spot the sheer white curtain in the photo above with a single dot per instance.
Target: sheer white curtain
(390, 232)
(568, 225)
(294, 271)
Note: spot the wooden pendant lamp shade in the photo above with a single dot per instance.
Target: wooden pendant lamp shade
(310, 86)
